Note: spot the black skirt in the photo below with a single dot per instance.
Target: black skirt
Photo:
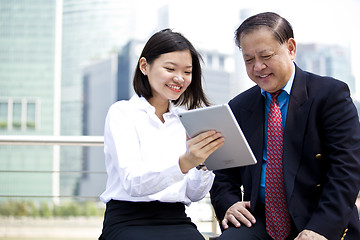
(146, 221)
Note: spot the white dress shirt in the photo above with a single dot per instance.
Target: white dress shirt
(142, 156)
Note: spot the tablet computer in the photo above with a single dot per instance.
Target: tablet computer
(236, 151)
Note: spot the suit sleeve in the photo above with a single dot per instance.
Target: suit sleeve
(341, 142)
(225, 190)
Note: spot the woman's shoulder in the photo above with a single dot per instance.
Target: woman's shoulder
(120, 106)
(133, 104)
(123, 111)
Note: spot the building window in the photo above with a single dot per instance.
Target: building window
(210, 60)
(31, 115)
(221, 62)
(16, 118)
(19, 113)
(3, 115)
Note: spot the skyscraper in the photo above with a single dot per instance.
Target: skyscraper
(217, 80)
(44, 45)
(326, 60)
(91, 30)
(27, 55)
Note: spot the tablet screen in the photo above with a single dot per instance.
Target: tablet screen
(236, 151)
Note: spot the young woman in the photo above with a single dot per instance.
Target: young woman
(151, 163)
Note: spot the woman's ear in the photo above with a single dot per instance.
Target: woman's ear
(143, 65)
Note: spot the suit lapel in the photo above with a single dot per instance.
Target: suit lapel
(253, 127)
(296, 121)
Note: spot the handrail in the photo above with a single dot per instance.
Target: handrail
(52, 140)
(43, 171)
(58, 141)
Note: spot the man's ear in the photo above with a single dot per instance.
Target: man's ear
(292, 48)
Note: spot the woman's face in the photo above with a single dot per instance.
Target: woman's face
(169, 75)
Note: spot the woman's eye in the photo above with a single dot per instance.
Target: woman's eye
(188, 72)
(169, 69)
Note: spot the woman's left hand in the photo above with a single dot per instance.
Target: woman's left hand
(199, 148)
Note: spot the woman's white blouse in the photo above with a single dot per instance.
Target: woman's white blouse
(142, 156)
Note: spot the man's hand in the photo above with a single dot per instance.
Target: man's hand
(309, 235)
(238, 213)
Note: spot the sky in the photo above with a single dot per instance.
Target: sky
(211, 24)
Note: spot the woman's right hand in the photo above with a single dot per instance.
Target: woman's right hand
(199, 148)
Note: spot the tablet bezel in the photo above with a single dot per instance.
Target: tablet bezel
(236, 151)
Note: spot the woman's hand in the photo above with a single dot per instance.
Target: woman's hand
(199, 148)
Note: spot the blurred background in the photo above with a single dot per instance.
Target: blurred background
(64, 62)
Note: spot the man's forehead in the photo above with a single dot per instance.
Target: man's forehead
(256, 51)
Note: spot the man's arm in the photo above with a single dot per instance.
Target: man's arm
(225, 190)
(341, 140)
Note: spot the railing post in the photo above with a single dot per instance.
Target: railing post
(214, 222)
(56, 174)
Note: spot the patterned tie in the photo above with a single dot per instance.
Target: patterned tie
(277, 216)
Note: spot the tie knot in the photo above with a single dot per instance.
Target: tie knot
(276, 94)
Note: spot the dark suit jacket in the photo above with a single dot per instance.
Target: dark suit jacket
(321, 161)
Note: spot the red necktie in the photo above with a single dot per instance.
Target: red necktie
(278, 223)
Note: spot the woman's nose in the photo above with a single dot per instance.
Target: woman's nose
(178, 78)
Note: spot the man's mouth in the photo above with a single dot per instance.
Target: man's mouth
(264, 76)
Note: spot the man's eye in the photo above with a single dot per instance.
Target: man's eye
(248, 60)
(267, 56)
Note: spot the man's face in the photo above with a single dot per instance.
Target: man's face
(268, 63)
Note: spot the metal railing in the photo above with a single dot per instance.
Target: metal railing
(56, 142)
(52, 140)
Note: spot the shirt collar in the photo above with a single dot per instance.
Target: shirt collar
(172, 109)
(287, 87)
(142, 104)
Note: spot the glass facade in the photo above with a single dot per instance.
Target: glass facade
(27, 39)
(327, 60)
(27, 59)
(91, 30)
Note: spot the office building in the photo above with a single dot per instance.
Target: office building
(217, 80)
(91, 30)
(27, 55)
(326, 60)
(44, 45)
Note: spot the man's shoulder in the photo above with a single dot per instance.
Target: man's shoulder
(247, 101)
(248, 94)
(315, 85)
(320, 80)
